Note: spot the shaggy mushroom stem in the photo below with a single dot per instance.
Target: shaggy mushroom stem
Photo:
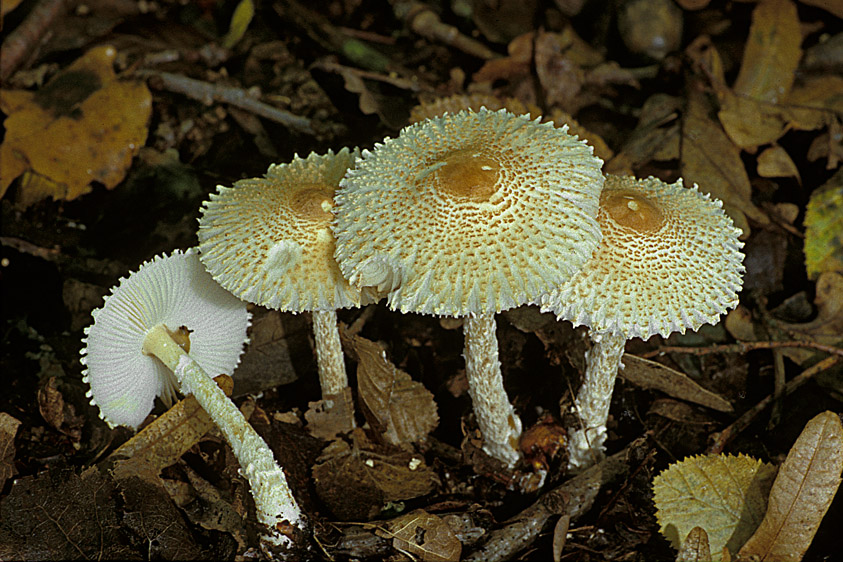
(274, 502)
(332, 376)
(585, 445)
(499, 425)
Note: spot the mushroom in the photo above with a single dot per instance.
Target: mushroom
(268, 241)
(467, 215)
(162, 329)
(669, 261)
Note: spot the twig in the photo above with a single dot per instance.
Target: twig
(573, 498)
(743, 347)
(25, 247)
(723, 438)
(238, 97)
(25, 39)
(423, 20)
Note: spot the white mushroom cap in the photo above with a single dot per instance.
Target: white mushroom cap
(669, 261)
(469, 212)
(173, 290)
(268, 240)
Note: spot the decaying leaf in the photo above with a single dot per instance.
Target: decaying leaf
(8, 429)
(775, 162)
(711, 160)
(400, 408)
(358, 481)
(278, 352)
(560, 536)
(656, 136)
(651, 375)
(725, 495)
(58, 412)
(824, 228)
(423, 535)
(695, 547)
(772, 52)
(331, 416)
(827, 327)
(83, 126)
(801, 493)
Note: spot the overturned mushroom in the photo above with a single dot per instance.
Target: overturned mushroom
(137, 349)
(467, 215)
(268, 241)
(669, 261)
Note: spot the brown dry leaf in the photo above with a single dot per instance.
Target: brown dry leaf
(423, 535)
(358, 481)
(801, 494)
(772, 52)
(560, 536)
(8, 430)
(561, 77)
(395, 405)
(824, 228)
(331, 416)
(655, 376)
(58, 412)
(827, 327)
(724, 494)
(749, 122)
(695, 547)
(279, 351)
(656, 136)
(775, 162)
(165, 440)
(83, 126)
(709, 159)
(513, 67)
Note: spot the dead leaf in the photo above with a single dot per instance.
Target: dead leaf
(358, 481)
(772, 52)
(396, 406)
(655, 376)
(827, 327)
(279, 352)
(650, 27)
(560, 536)
(424, 535)
(695, 547)
(801, 494)
(329, 417)
(824, 228)
(83, 126)
(774, 162)
(724, 494)
(656, 136)
(8, 430)
(61, 415)
(712, 161)
(561, 77)
(163, 442)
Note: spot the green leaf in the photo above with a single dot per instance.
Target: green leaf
(824, 228)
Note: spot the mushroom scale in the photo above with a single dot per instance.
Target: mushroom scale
(268, 240)
(469, 213)
(153, 295)
(669, 261)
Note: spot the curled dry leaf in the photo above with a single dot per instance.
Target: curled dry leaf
(695, 547)
(774, 162)
(400, 408)
(801, 493)
(423, 535)
(723, 494)
(84, 125)
(655, 376)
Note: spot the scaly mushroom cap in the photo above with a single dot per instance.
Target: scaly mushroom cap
(469, 213)
(268, 240)
(669, 261)
(173, 290)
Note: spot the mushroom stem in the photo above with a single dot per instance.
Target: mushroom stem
(274, 502)
(499, 425)
(585, 446)
(332, 376)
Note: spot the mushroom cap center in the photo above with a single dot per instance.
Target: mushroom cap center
(313, 202)
(633, 211)
(465, 174)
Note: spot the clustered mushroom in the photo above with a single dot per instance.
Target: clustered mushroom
(161, 330)
(467, 215)
(669, 261)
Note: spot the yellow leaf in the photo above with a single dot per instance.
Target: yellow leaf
(723, 494)
(775, 162)
(83, 126)
(240, 20)
(801, 494)
(824, 228)
(772, 52)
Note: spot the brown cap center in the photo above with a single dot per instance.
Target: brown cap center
(632, 211)
(314, 203)
(467, 174)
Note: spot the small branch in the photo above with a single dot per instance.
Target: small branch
(723, 438)
(743, 347)
(206, 92)
(27, 37)
(423, 20)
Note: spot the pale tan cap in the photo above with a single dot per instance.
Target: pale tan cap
(268, 240)
(472, 212)
(669, 261)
